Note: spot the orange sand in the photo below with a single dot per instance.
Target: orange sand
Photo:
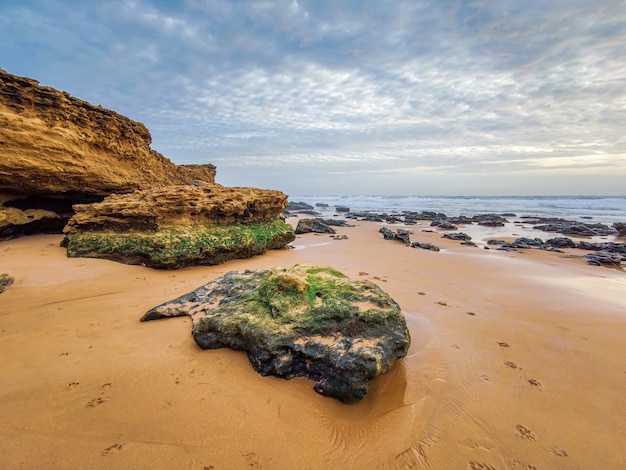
(518, 361)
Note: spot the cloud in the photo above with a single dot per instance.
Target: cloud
(401, 87)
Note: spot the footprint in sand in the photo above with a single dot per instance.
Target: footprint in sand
(525, 432)
(510, 364)
(485, 377)
(503, 345)
(64, 354)
(473, 465)
(96, 401)
(470, 314)
(534, 383)
(73, 384)
(443, 304)
(111, 448)
(101, 399)
(421, 293)
(558, 452)
(252, 460)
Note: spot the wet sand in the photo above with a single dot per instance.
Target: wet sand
(517, 361)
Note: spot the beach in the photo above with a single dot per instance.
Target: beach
(517, 361)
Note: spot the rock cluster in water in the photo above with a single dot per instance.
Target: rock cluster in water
(309, 321)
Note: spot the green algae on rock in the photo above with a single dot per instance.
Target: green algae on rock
(180, 225)
(309, 321)
(173, 247)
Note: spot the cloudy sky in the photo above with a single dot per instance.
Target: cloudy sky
(420, 97)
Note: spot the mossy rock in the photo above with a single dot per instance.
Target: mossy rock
(308, 321)
(177, 246)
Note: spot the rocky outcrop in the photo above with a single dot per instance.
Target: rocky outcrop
(5, 281)
(313, 226)
(57, 150)
(400, 235)
(182, 225)
(306, 321)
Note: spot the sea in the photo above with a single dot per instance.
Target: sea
(589, 209)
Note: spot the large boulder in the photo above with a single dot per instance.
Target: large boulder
(313, 226)
(57, 150)
(182, 225)
(309, 321)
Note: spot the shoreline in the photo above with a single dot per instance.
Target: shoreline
(517, 360)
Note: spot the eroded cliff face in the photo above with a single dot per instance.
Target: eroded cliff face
(57, 150)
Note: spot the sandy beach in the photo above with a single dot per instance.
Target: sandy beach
(517, 361)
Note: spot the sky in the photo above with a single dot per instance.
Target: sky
(399, 97)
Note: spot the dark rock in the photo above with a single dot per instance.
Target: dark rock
(298, 206)
(401, 235)
(560, 242)
(321, 204)
(457, 236)
(5, 281)
(342, 209)
(490, 220)
(313, 225)
(603, 258)
(461, 220)
(306, 321)
(621, 229)
(309, 212)
(425, 246)
(336, 222)
(496, 242)
(444, 224)
(468, 243)
(340, 237)
(568, 227)
(609, 247)
(527, 243)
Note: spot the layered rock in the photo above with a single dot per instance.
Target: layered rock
(57, 150)
(181, 225)
(306, 321)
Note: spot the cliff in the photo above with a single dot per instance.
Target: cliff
(57, 150)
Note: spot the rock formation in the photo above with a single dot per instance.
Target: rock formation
(313, 226)
(180, 225)
(307, 321)
(57, 150)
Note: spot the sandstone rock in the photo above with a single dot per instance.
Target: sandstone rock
(54, 147)
(5, 281)
(306, 321)
(313, 226)
(15, 222)
(180, 225)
